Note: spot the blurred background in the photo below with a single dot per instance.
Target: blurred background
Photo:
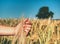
(27, 8)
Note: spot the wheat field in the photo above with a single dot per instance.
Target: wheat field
(43, 31)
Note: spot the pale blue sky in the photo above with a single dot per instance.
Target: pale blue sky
(16, 8)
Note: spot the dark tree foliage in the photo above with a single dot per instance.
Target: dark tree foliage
(44, 13)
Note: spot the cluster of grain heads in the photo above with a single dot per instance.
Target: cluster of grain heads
(43, 31)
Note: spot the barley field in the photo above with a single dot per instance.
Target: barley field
(43, 31)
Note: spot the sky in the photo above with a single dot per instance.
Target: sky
(27, 8)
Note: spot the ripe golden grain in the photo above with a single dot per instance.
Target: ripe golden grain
(43, 31)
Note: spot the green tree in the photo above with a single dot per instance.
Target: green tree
(44, 13)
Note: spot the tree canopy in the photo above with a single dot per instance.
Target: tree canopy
(44, 13)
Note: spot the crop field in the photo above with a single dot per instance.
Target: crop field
(43, 31)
